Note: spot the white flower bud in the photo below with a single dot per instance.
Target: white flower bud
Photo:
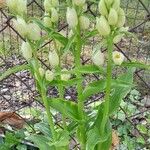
(54, 15)
(117, 38)
(121, 18)
(55, 3)
(47, 5)
(116, 5)
(102, 26)
(118, 57)
(42, 72)
(102, 8)
(112, 17)
(22, 7)
(65, 77)
(84, 22)
(49, 75)
(53, 59)
(78, 2)
(47, 22)
(72, 18)
(21, 26)
(26, 50)
(34, 31)
(17, 7)
(98, 58)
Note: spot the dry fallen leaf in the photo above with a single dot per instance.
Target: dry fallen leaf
(12, 119)
(2, 3)
(115, 140)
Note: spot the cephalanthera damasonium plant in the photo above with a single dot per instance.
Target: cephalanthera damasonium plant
(92, 128)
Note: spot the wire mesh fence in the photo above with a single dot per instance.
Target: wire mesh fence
(18, 94)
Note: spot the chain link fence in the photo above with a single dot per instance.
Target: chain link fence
(17, 92)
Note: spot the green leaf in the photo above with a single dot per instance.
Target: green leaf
(62, 141)
(94, 137)
(21, 147)
(90, 69)
(120, 92)
(93, 88)
(68, 108)
(136, 64)
(40, 141)
(13, 70)
(43, 128)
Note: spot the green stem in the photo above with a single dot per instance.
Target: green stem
(79, 87)
(108, 87)
(49, 114)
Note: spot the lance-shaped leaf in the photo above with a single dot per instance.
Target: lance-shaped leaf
(68, 108)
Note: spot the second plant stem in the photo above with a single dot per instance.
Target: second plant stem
(79, 87)
(108, 87)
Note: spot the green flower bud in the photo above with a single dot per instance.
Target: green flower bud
(70, 34)
(47, 5)
(98, 58)
(55, 3)
(65, 77)
(26, 50)
(117, 38)
(109, 3)
(49, 75)
(102, 26)
(72, 18)
(54, 15)
(42, 72)
(34, 31)
(21, 26)
(84, 22)
(53, 59)
(112, 17)
(47, 22)
(102, 8)
(78, 2)
(121, 18)
(116, 5)
(118, 58)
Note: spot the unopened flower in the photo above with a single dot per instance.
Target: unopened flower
(47, 5)
(118, 57)
(54, 15)
(79, 2)
(22, 7)
(41, 72)
(26, 50)
(102, 26)
(53, 59)
(84, 7)
(112, 17)
(49, 75)
(116, 5)
(21, 26)
(84, 22)
(70, 34)
(117, 38)
(65, 77)
(19, 7)
(72, 18)
(55, 3)
(34, 31)
(98, 58)
(47, 22)
(102, 8)
(121, 18)
(109, 3)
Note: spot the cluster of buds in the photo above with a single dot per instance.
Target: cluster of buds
(17, 7)
(51, 12)
(110, 22)
(112, 16)
(73, 19)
